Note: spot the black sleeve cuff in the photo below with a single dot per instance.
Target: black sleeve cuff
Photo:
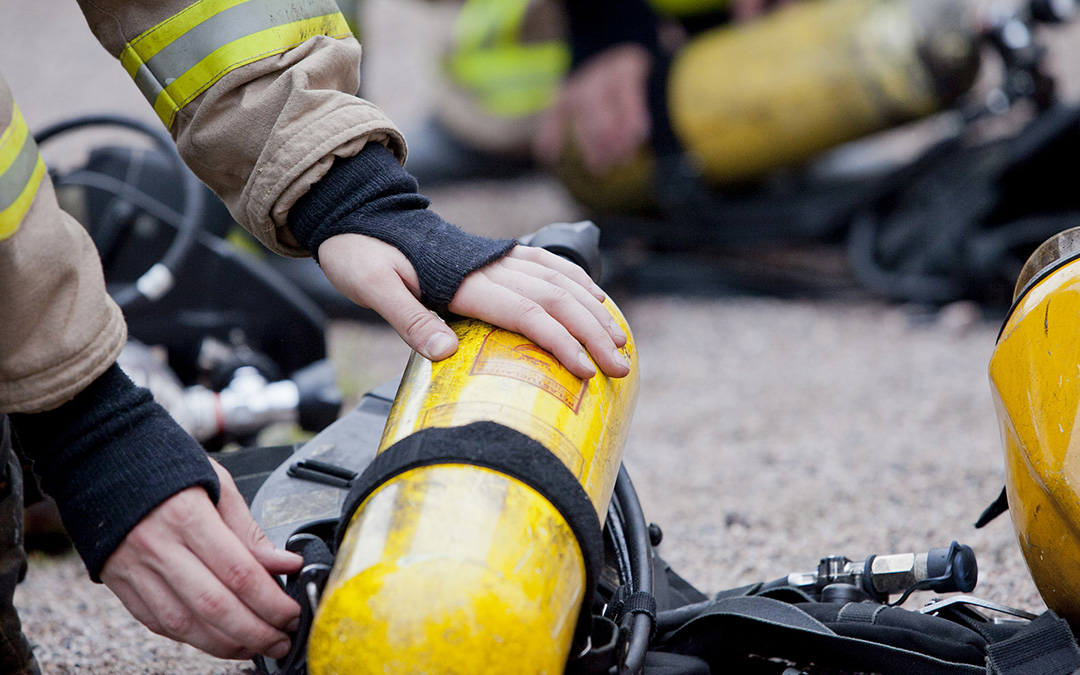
(108, 457)
(596, 25)
(372, 194)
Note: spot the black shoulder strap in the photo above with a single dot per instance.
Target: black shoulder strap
(1043, 647)
(753, 624)
(772, 628)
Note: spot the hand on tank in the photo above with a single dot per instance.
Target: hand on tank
(602, 109)
(202, 575)
(530, 291)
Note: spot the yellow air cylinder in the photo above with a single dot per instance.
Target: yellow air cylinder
(755, 97)
(775, 92)
(452, 567)
(1035, 377)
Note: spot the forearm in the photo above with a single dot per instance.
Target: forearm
(371, 194)
(268, 118)
(108, 457)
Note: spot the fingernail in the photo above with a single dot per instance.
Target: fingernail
(583, 359)
(617, 331)
(436, 346)
(598, 292)
(620, 360)
(293, 626)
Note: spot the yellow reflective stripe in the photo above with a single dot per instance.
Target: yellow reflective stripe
(147, 45)
(182, 57)
(242, 52)
(21, 172)
(515, 80)
(485, 23)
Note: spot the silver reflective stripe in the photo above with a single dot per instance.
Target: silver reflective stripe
(15, 179)
(226, 26)
(146, 83)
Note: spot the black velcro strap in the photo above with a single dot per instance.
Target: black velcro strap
(1044, 647)
(499, 448)
(860, 612)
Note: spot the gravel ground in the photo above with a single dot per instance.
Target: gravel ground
(768, 433)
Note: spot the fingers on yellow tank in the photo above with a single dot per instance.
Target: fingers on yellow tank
(453, 568)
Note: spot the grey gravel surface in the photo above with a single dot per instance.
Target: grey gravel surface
(768, 433)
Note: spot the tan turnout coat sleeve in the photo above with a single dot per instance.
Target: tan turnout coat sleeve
(260, 135)
(265, 132)
(59, 329)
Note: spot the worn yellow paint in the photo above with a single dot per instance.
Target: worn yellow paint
(1035, 378)
(452, 568)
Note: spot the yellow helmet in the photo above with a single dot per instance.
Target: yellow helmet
(1035, 378)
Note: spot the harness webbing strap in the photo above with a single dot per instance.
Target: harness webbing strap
(759, 625)
(183, 56)
(1044, 647)
(21, 171)
(499, 448)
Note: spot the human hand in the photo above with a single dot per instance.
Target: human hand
(202, 575)
(603, 108)
(530, 291)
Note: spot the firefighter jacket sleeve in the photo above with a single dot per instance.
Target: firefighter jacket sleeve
(59, 329)
(258, 94)
(103, 449)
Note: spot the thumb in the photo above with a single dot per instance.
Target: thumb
(418, 327)
(234, 511)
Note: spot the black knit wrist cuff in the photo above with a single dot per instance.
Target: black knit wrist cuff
(108, 457)
(371, 194)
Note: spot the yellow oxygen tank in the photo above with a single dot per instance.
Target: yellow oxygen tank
(775, 92)
(1035, 378)
(475, 553)
(754, 97)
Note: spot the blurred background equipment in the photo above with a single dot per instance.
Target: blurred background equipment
(227, 344)
(921, 140)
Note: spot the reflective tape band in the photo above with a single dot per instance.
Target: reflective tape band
(180, 58)
(21, 171)
(485, 23)
(513, 80)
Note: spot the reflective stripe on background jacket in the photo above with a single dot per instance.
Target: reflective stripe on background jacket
(260, 97)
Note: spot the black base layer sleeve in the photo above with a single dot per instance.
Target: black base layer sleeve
(108, 457)
(596, 25)
(372, 194)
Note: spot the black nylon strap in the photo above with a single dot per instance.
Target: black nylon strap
(499, 448)
(767, 627)
(860, 612)
(1045, 646)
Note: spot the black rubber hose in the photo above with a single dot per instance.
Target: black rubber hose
(641, 560)
(129, 297)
